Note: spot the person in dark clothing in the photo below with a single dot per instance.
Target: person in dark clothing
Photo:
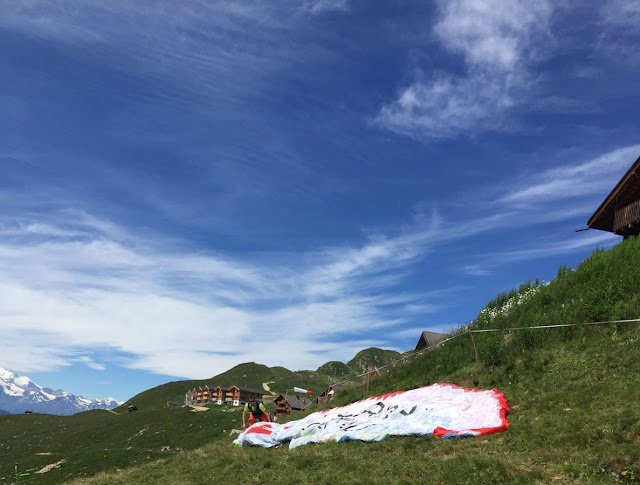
(257, 412)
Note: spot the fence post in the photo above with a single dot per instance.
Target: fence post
(475, 349)
(368, 378)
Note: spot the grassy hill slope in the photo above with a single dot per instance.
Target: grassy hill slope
(574, 419)
(102, 440)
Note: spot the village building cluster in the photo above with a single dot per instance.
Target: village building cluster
(285, 404)
(234, 395)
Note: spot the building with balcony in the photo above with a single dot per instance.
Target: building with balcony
(234, 395)
(620, 211)
(285, 405)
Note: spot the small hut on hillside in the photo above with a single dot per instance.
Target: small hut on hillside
(429, 339)
(285, 404)
(328, 394)
(620, 211)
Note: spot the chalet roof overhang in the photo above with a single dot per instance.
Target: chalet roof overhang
(293, 401)
(251, 391)
(625, 192)
(429, 338)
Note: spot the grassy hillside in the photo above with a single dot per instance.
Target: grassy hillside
(103, 440)
(573, 394)
(574, 419)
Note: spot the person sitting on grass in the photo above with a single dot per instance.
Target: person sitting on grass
(257, 412)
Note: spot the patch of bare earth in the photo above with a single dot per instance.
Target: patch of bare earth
(197, 409)
(52, 466)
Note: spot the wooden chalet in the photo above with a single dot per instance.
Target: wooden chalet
(286, 405)
(228, 395)
(247, 393)
(620, 211)
(234, 395)
(429, 339)
(328, 394)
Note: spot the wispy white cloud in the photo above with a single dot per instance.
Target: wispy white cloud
(494, 33)
(545, 250)
(621, 14)
(211, 50)
(37, 229)
(320, 6)
(89, 362)
(619, 36)
(477, 270)
(591, 177)
(542, 249)
(446, 107)
(93, 292)
(569, 192)
(498, 41)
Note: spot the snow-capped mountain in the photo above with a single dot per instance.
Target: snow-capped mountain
(19, 394)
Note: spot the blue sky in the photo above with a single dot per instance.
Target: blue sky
(191, 185)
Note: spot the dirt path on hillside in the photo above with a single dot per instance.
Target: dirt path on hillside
(265, 386)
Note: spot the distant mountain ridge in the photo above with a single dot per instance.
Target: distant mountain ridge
(334, 368)
(369, 359)
(19, 394)
(280, 379)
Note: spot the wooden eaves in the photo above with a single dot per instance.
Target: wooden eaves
(625, 192)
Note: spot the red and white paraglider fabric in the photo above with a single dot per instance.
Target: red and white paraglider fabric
(442, 410)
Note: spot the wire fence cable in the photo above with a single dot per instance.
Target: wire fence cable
(463, 331)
